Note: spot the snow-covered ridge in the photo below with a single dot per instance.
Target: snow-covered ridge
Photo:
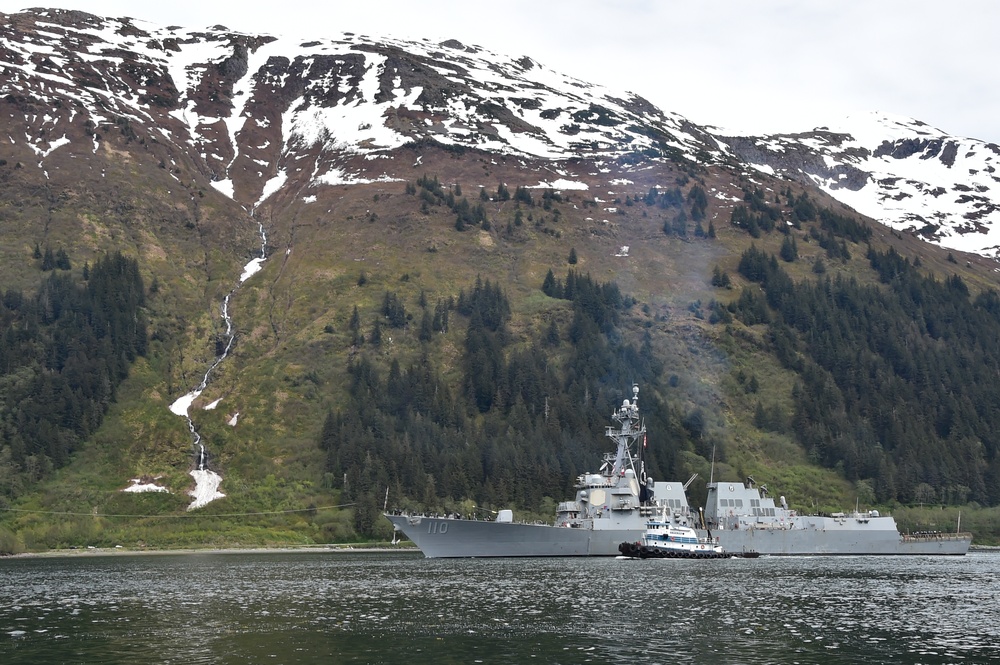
(899, 171)
(258, 109)
(266, 117)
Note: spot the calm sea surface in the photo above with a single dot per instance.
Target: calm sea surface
(326, 607)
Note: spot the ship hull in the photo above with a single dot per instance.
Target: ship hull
(746, 518)
(442, 537)
(804, 542)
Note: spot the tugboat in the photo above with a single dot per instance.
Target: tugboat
(673, 539)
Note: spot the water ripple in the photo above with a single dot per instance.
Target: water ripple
(307, 608)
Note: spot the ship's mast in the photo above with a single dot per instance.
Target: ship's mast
(630, 429)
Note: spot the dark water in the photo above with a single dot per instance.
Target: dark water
(400, 608)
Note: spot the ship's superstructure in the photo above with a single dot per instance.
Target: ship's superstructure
(614, 497)
(746, 518)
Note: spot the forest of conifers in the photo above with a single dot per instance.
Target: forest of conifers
(63, 352)
(894, 381)
(518, 429)
(894, 386)
(897, 384)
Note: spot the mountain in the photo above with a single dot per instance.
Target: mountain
(898, 171)
(365, 263)
(267, 115)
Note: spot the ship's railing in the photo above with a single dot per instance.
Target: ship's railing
(937, 535)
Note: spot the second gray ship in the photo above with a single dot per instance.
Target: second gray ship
(744, 518)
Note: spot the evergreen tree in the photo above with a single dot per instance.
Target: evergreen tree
(552, 334)
(354, 326)
(699, 202)
(523, 195)
(426, 327)
(721, 278)
(48, 260)
(679, 226)
(789, 251)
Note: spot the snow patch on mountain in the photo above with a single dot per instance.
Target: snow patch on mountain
(206, 488)
(560, 183)
(138, 486)
(898, 171)
(248, 103)
(266, 114)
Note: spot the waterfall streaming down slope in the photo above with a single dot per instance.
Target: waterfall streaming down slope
(207, 481)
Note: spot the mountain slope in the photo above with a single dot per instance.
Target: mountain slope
(387, 181)
(264, 114)
(901, 172)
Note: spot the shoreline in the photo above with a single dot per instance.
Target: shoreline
(284, 549)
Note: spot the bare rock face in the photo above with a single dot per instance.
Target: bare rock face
(898, 171)
(259, 117)
(249, 109)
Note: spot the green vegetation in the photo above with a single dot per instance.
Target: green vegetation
(519, 425)
(888, 390)
(416, 341)
(63, 352)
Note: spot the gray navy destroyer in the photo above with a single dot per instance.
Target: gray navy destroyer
(615, 504)
(745, 519)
